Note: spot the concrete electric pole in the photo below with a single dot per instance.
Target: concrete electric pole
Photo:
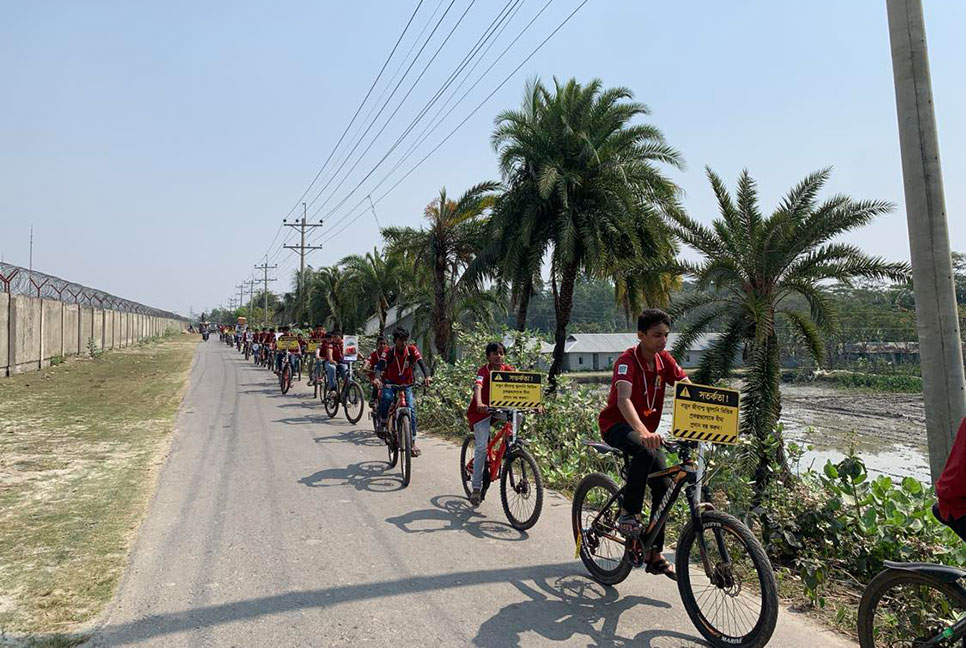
(265, 267)
(940, 348)
(302, 248)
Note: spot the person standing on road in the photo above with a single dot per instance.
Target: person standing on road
(630, 420)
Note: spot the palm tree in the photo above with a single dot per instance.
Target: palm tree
(454, 237)
(755, 269)
(333, 298)
(375, 279)
(590, 180)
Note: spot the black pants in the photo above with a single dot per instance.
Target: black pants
(643, 462)
(956, 524)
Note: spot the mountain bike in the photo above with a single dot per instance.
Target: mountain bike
(285, 375)
(507, 459)
(248, 349)
(399, 428)
(725, 579)
(914, 604)
(347, 393)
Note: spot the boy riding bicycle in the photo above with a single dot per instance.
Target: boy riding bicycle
(396, 368)
(478, 416)
(630, 420)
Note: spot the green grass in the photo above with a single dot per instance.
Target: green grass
(79, 447)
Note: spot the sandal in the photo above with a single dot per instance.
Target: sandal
(660, 565)
(629, 525)
(414, 451)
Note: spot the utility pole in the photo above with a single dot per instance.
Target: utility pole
(265, 267)
(241, 294)
(940, 348)
(251, 294)
(302, 226)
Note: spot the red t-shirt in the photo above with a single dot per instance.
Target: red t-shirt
(323, 349)
(647, 388)
(373, 361)
(951, 487)
(482, 379)
(398, 369)
(337, 354)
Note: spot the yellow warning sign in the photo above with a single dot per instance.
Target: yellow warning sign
(287, 343)
(703, 413)
(516, 389)
(311, 347)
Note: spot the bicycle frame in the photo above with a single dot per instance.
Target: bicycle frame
(495, 450)
(398, 403)
(689, 475)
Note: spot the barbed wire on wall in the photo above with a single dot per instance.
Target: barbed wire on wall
(16, 280)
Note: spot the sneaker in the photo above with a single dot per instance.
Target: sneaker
(475, 497)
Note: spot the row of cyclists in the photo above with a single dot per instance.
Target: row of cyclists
(628, 425)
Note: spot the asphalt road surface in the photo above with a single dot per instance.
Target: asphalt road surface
(274, 526)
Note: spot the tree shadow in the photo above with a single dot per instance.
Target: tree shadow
(365, 475)
(573, 605)
(454, 513)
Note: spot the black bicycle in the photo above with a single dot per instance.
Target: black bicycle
(914, 605)
(347, 393)
(724, 577)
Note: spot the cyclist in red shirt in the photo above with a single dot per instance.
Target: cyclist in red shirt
(396, 369)
(950, 509)
(334, 360)
(630, 421)
(373, 360)
(478, 417)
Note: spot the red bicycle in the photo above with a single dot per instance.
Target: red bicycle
(507, 460)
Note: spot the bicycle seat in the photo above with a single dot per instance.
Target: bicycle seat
(602, 447)
(941, 573)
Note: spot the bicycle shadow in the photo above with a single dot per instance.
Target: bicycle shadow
(355, 436)
(571, 606)
(454, 513)
(366, 475)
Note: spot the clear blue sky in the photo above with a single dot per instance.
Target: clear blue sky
(156, 147)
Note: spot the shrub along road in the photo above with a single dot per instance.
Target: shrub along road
(272, 525)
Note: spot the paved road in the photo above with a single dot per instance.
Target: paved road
(273, 526)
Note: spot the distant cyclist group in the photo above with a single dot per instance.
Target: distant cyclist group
(724, 577)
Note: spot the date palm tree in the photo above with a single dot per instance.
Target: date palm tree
(755, 268)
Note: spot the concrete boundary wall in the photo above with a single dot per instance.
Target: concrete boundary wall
(32, 331)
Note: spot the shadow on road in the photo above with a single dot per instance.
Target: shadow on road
(454, 513)
(355, 436)
(507, 621)
(366, 475)
(561, 608)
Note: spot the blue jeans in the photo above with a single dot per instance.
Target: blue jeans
(389, 395)
(330, 372)
(482, 433)
(279, 358)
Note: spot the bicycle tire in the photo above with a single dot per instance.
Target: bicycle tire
(523, 485)
(600, 574)
(887, 580)
(404, 431)
(248, 352)
(466, 455)
(285, 378)
(330, 403)
(764, 626)
(354, 398)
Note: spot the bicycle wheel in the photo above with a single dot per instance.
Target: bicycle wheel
(330, 401)
(907, 609)
(521, 489)
(355, 402)
(285, 378)
(404, 432)
(248, 352)
(466, 464)
(601, 547)
(738, 605)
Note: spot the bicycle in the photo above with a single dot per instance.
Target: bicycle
(398, 434)
(348, 393)
(248, 349)
(932, 614)
(508, 460)
(745, 587)
(285, 375)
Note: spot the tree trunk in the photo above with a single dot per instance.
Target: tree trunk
(761, 408)
(441, 328)
(563, 305)
(524, 304)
